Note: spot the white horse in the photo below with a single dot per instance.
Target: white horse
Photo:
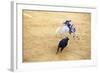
(65, 29)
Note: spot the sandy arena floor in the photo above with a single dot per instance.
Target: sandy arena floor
(40, 40)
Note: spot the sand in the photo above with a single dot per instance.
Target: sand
(40, 39)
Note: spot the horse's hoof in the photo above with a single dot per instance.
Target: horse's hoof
(56, 52)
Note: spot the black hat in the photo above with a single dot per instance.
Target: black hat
(67, 21)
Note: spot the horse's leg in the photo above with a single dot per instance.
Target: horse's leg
(70, 32)
(77, 37)
(74, 35)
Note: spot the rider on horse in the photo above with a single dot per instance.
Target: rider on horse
(67, 22)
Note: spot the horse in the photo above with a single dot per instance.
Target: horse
(65, 29)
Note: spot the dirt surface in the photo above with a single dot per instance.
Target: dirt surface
(40, 39)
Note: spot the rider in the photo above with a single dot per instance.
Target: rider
(67, 22)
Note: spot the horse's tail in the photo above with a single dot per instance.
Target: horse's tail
(58, 30)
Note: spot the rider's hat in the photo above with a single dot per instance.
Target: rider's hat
(67, 21)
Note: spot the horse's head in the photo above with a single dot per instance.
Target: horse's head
(73, 28)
